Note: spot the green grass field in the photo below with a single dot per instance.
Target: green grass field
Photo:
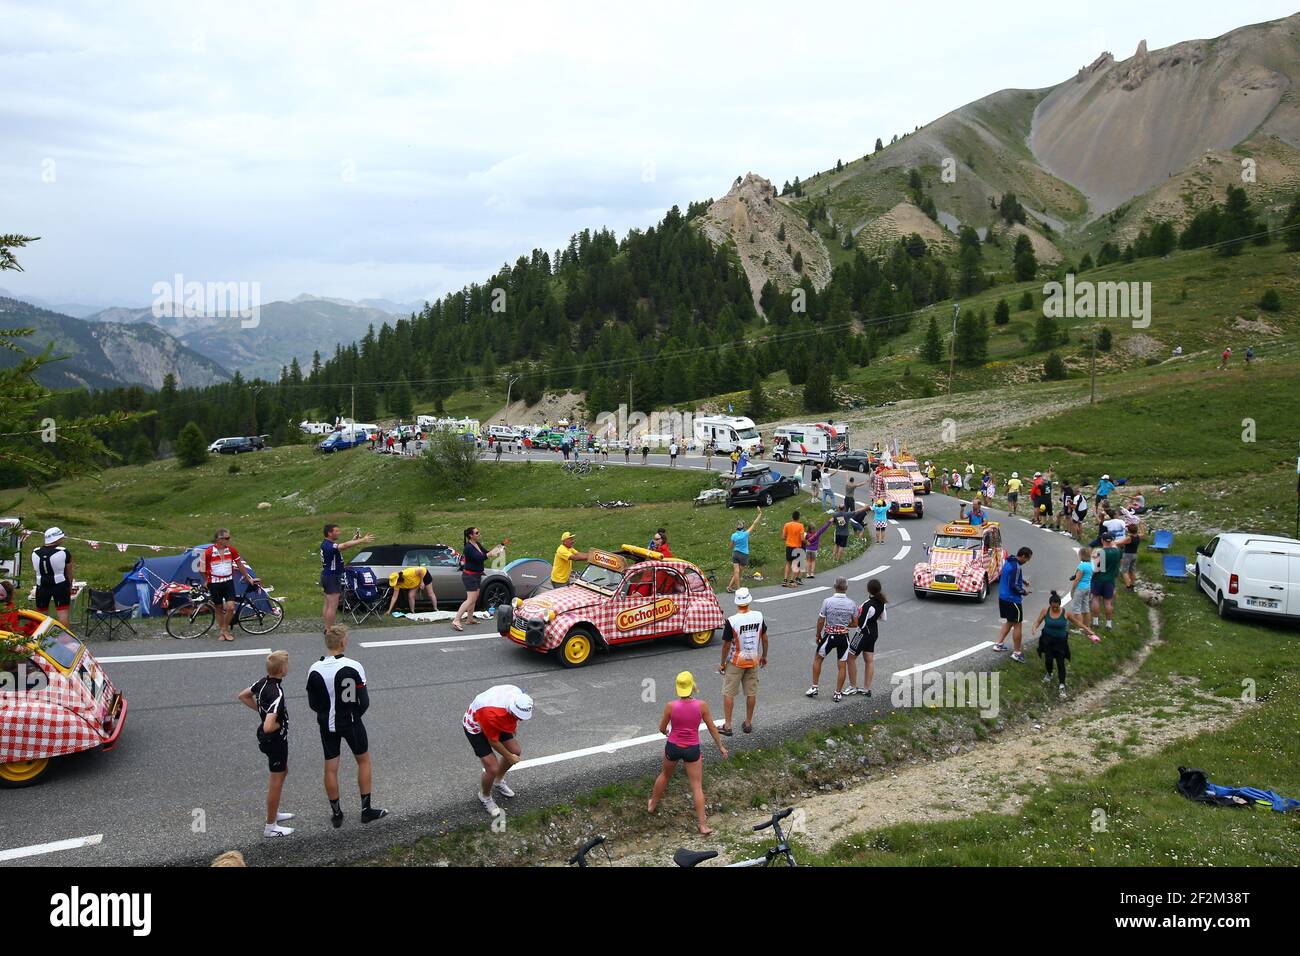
(530, 503)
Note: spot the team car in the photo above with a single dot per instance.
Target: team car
(55, 699)
(858, 460)
(895, 486)
(620, 598)
(760, 485)
(920, 483)
(497, 587)
(965, 560)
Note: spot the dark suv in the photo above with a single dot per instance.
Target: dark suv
(856, 460)
(238, 447)
(760, 486)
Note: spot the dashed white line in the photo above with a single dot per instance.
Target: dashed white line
(902, 533)
(193, 656)
(902, 552)
(431, 640)
(945, 660)
(608, 748)
(867, 574)
(40, 849)
(798, 593)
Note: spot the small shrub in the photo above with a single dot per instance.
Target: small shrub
(406, 521)
(233, 469)
(1053, 368)
(1270, 301)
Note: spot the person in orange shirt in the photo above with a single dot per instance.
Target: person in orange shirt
(792, 532)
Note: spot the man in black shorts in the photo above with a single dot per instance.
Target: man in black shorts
(832, 637)
(336, 691)
(331, 569)
(1012, 588)
(53, 567)
(267, 698)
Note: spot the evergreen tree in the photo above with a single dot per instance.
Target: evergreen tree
(191, 446)
(758, 403)
(1270, 301)
(1292, 226)
(1026, 261)
(1001, 313)
(141, 450)
(817, 393)
(1026, 301)
(1104, 340)
(1053, 368)
(400, 401)
(879, 144)
(932, 347)
(1045, 333)
(798, 262)
(1086, 262)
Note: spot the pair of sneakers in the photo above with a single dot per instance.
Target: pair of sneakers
(812, 692)
(489, 804)
(1016, 656)
(275, 830)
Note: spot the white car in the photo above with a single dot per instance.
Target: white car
(215, 447)
(1257, 574)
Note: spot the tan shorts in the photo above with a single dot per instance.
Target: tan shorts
(736, 676)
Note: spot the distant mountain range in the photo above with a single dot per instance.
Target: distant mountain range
(104, 354)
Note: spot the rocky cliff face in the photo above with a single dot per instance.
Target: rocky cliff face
(142, 355)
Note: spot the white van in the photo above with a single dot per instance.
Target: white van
(315, 428)
(728, 433)
(1256, 574)
(504, 433)
(806, 442)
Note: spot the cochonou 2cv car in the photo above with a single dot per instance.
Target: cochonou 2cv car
(620, 598)
(55, 699)
(962, 560)
(895, 486)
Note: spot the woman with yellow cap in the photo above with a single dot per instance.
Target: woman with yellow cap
(685, 715)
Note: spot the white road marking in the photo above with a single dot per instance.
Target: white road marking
(431, 640)
(196, 655)
(902, 552)
(902, 533)
(867, 574)
(945, 660)
(797, 593)
(43, 848)
(893, 521)
(609, 748)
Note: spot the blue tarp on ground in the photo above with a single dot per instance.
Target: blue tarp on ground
(138, 585)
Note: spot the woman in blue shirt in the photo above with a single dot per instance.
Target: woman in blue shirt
(1080, 604)
(740, 549)
(880, 512)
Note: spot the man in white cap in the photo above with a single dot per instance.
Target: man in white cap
(53, 566)
(490, 725)
(744, 651)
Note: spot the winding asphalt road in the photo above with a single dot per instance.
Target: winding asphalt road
(187, 781)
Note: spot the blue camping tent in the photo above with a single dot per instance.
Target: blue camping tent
(139, 585)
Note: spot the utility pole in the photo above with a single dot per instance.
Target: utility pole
(1092, 388)
(354, 403)
(510, 384)
(952, 344)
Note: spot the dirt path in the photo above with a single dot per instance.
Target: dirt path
(1079, 739)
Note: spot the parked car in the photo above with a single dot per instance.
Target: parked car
(963, 560)
(1255, 574)
(760, 485)
(221, 444)
(622, 597)
(857, 460)
(519, 578)
(344, 439)
(55, 699)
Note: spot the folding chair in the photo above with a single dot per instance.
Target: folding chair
(103, 612)
(1164, 540)
(1175, 566)
(362, 594)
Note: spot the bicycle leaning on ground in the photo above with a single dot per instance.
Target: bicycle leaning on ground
(256, 612)
(775, 856)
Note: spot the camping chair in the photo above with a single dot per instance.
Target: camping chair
(362, 594)
(1164, 540)
(1175, 566)
(102, 611)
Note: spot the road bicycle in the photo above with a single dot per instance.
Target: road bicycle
(582, 466)
(256, 612)
(778, 855)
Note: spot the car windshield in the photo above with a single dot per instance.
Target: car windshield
(898, 483)
(744, 434)
(957, 541)
(597, 576)
(60, 646)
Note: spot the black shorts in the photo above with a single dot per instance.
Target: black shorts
(221, 591)
(1010, 612)
(841, 542)
(331, 583)
(479, 742)
(276, 748)
(863, 642)
(472, 582)
(791, 552)
(354, 734)
(740, 557)
(1048, 503)
(674, 752)
(58, 594)
(834, 643)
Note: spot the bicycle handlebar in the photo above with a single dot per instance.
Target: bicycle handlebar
(776, 818)
(580, 856)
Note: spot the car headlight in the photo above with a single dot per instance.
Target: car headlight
(550, 616)
(517, 602)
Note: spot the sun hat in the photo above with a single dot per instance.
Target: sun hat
(743, 597)
(566, 536)
(685, 684)
(53, 534)
(521, 706)
(1015, 474)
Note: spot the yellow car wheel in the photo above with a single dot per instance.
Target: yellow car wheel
(700, 638)
(575, 650)
(23, 773)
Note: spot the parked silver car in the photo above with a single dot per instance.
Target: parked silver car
(519, 578)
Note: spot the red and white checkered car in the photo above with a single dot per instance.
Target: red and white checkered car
(620, 598)
(54, 698)
(895, 486)
(964, 560)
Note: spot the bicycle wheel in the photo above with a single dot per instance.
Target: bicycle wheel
(262, 617)
(191, 621)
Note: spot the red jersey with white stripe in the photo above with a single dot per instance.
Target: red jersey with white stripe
(219, 563)
(490, 715)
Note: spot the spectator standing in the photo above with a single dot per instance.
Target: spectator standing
(1054, 640)
(842, 525)
(473, 560)
(331, 569)
(672, 453)
(812, 545)
(266, 697)
(744, 653)
(792, 534)
(850, 492)
(832, 637)
(562, 565)
(880, 515)
(645, 452)
(1012, 588)
(740, 549)
(1106, 566)
(1128, 560)
(863, 642)
(52, 564)
(218, 563)
(815, 479)
(680, 723)
(1013, 492)
(1081, 594)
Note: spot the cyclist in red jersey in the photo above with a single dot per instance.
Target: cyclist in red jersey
(218, 562)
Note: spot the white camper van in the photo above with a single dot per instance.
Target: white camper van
(1257, 574)
(806, 442)
(728, 433)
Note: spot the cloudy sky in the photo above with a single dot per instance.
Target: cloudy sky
(399, 151)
